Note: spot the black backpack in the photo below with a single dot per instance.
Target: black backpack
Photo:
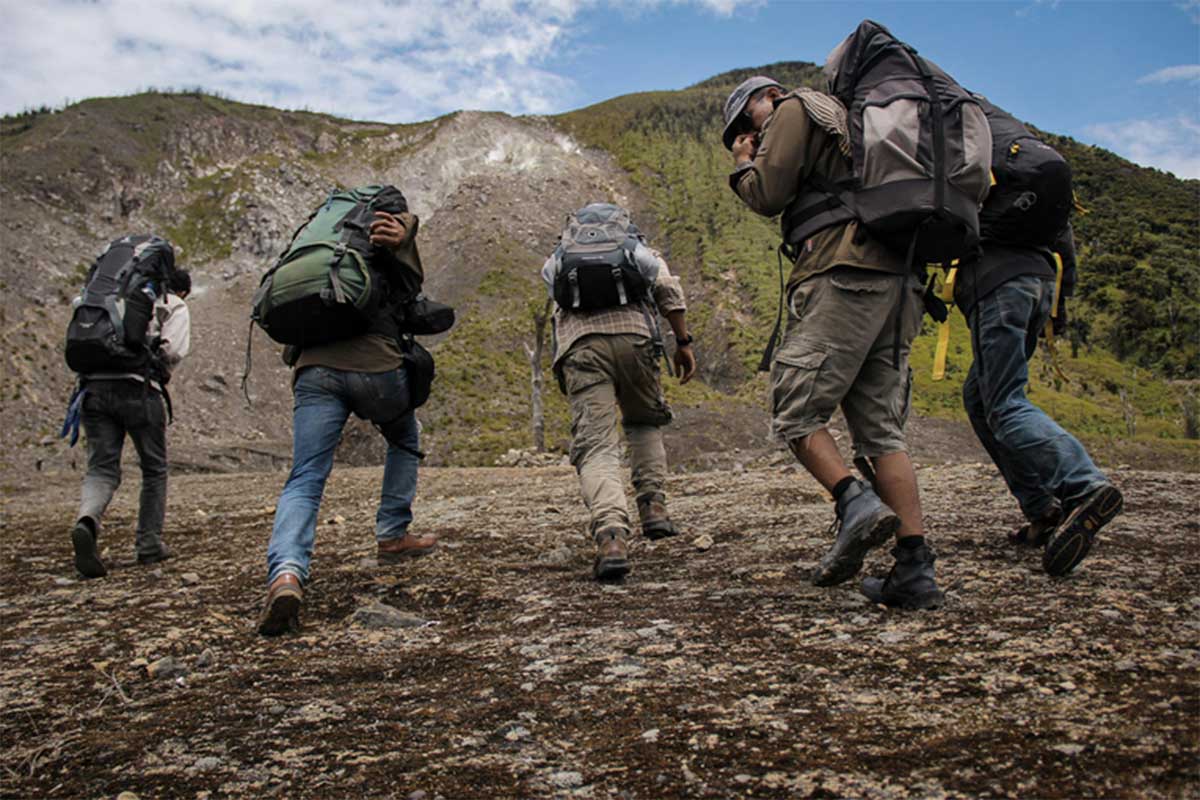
(920, 153)
(596, 263)
(112, 315)
(1031, 202)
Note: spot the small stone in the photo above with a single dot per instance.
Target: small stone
(419, 794)
(166, 667)
(566, 780)
(1068, 749)
(380, 616)
(703, 542)
(742, 778)
(206, 659)
(558, 557)
(63, 582)
(189, 578)
(650, 735)
(207, 764)
(337, 519)
(127, 796)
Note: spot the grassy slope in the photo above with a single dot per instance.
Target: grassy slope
(670, 144)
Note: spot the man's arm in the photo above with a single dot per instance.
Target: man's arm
(399, 233)
(176, 333)
(766, 178)
(549, 273)
(668, 296)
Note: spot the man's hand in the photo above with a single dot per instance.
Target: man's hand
(745, 147)
(685, 363)
(387, 230)
(1059, 325)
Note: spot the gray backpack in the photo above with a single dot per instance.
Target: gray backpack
(921, 153)
(596, 262)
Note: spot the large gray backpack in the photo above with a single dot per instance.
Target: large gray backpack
(596, 260)
(921, 153)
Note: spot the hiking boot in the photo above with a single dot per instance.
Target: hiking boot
(393, 551)
(612, 557)
(163, 554)
(910, 584)
(862, 523)
(281, 613)
(652, 509)
(1073, 539)
(87, 555)
(1037, 532)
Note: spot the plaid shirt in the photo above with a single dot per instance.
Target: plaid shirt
(570, 326)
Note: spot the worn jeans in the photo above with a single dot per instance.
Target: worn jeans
(1042, 464)
(111, 409)
(324, 400)
(601, 373)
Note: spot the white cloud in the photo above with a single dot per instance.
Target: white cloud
(1182, 72)
(390, 60)
(1170, 143)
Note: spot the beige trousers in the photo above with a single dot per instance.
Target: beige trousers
(601, 373)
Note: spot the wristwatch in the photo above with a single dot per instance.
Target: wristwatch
(684, 342)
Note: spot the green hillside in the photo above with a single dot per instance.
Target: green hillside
(1136, 309)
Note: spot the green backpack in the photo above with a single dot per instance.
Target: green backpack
(324, 287)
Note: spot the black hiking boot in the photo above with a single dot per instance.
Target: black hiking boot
(863, 522)
(163, 553)
(910, 584)
(652, 511)
(1037, 532)
(1073, 539)
(87, 556)
(612, 557)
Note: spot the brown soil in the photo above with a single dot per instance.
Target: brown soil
(711, 673)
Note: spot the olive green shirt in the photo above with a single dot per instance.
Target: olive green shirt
(794, 147)
(371, 352)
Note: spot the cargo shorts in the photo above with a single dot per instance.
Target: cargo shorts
(837, 350)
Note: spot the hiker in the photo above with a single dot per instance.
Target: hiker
(607, 286)
(370, 367)
(843, 297)
(122, 387)
(1013, 295)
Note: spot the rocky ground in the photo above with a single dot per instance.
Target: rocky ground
(496, 668)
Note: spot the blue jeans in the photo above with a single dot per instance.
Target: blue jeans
(1042, 464)
(324, 399)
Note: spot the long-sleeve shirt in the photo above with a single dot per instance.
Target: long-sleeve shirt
(570, 326)
(794, 148)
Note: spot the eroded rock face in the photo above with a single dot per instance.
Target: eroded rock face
(229, 189)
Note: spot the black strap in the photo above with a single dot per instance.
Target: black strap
(765, 364)
(246, 369)
(897, 327)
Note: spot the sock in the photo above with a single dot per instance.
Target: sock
(911, 542)
(842, 485)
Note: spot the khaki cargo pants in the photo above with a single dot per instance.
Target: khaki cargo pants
(837, 350)
(600, 373)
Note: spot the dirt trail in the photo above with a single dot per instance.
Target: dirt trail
(712, 673)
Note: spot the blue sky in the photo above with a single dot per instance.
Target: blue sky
(1125, 75)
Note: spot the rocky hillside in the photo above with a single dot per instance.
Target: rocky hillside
(228, 182)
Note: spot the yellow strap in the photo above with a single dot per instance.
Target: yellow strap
(1049, 331)
(943, 345)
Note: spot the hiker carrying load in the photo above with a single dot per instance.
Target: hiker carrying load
(608, 287)
(874, 180)
(1012, 296)
(345, 297)
(129, 329)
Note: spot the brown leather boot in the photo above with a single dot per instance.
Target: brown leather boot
(652, 509)
(393, 551)
(282, 610)
(612, 557)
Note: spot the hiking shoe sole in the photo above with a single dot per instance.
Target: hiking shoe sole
(87, 560)
(611, 569)
(1073, 540)
(659, 530)
(282, 616)
(848, 564)
(407, 555)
